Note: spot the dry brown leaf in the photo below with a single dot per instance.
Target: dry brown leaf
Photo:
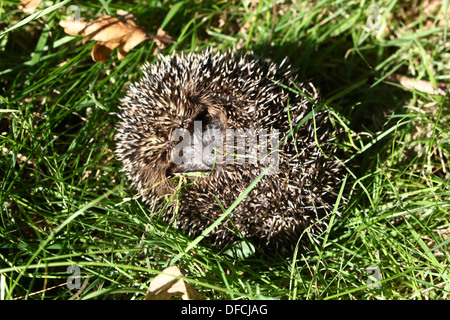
(420, 85)
(162, 37)
(28, 6)
(165, 286)
(110, 33)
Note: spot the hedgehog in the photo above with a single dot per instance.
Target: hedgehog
(199, 128)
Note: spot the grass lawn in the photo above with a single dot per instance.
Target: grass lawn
(383, 72)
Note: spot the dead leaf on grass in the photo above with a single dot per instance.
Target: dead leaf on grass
(420, 85)
(165, 286)
(28, 6)
(112, 32)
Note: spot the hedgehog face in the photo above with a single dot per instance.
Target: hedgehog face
(196, 152)
(178, 119)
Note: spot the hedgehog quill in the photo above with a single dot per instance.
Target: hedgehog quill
(231, 117)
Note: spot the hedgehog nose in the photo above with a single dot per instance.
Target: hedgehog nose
(200, 145)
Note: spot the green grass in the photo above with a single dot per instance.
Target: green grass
(64, 200)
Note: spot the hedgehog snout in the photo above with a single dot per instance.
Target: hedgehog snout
(201, 141)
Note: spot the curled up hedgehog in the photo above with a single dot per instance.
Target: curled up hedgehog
(233, 119)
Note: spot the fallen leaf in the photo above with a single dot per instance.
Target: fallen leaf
(28, 6)
(165, 286)
(162, 37)
(110, 33)
(420, 85)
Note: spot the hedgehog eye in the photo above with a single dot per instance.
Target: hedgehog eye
(201, 141)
